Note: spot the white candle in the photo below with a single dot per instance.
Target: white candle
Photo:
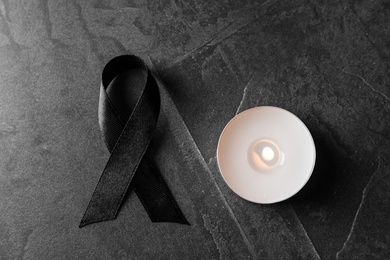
(266, 154)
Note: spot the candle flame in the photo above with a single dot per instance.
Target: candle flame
(268, 153)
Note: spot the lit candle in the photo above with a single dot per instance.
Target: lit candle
(266, 154)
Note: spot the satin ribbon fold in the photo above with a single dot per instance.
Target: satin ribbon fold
(129, 108)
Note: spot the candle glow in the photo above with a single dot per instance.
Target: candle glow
(264, 155)
(268, 153)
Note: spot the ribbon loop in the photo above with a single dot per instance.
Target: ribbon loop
(129, 108)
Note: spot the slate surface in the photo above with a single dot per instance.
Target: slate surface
(327, 62)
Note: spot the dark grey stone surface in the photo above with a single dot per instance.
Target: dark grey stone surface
(328, 62)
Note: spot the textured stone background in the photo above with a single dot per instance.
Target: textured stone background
(326, 61)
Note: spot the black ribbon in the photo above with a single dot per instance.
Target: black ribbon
(129, 107)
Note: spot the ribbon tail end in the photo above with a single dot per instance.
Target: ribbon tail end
(182, 219)
(85, 221)
(185, 222)
(175, 219)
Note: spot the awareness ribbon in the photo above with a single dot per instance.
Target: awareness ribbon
(129, 108)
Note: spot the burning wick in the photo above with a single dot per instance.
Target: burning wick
(265, 155)
(268, 153)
